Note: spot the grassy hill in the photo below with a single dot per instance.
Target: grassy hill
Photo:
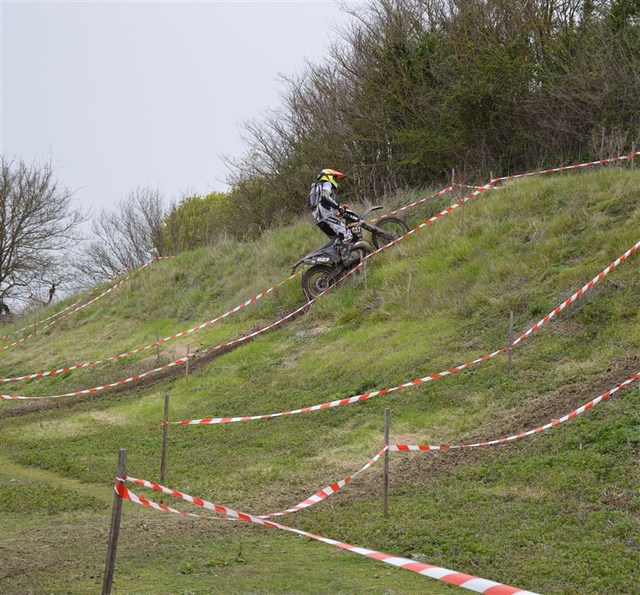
(555, 513)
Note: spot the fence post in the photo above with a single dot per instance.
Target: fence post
(186, 368)
(116, 513)
(165, 430)
(158, 348)
(510, 340)
(386, 465)
(633, 159)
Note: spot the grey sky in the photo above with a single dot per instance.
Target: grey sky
(123, 95)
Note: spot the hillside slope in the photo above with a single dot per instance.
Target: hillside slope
(554, 513)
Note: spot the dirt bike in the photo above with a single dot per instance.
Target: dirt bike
(331, 262)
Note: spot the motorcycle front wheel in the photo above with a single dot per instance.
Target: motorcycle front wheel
(391, 228)
(317, 279)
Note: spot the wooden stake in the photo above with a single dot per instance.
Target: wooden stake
(366, 280)
(165, 430)
(458, 193)
(186, 368)
(386, 465)
(116, 513)
(157, 348)
(409, 282)
(510, 340)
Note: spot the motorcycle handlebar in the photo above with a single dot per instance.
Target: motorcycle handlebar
(348, 214)
(354, 216)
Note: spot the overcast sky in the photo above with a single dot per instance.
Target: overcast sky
(121, 95)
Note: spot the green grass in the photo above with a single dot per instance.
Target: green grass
(556, 513)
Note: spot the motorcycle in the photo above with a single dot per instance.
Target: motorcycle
(331, 262)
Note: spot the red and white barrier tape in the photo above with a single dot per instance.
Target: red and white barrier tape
(478, 189)
(450, 208)
(114, 276)
(420, 201)
(238, 308)
(324, 493)
(340, 402)
(551, 170)
(23, 339)
(190, 331)
(578, 293)
(466, 581)
(95, 389)
(493, 181)
(26, 328)
(177, 362)
(82, 307)
(162, 507)
(418, 381)
(267, 328)
(241, 306)
(132, 268)
(122, 271)
(233, 311)
(336, 486)
(552, 424)
(111, 278)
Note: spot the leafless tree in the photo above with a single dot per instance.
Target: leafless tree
(38, 224)
(125, 237)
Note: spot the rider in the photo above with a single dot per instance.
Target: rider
(323, 206)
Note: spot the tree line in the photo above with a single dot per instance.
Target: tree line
(415, 88)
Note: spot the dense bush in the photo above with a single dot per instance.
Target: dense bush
(195, 221)
(415, 88)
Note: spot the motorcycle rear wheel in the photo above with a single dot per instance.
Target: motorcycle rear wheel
(392, 229)
(317, 279)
